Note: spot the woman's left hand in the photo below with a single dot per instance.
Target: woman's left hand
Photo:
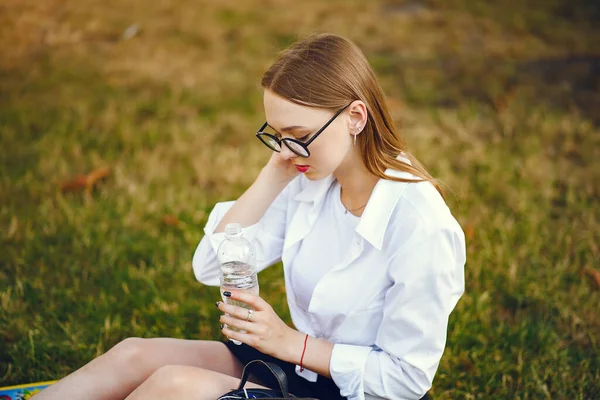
(265, 331)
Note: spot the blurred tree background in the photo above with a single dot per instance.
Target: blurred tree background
(123, 122)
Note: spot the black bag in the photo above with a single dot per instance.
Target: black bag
(267, 394)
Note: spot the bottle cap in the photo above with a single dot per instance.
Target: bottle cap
(233, 228)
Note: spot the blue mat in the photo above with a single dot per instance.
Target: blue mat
(22, 392)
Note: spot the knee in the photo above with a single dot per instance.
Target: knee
(175, 381)
(129, 352)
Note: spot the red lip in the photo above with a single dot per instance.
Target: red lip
(302, 168)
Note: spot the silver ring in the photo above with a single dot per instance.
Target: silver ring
(250, 311)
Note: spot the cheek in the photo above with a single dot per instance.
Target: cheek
(330, 152)
(337, 139)
(338, 145)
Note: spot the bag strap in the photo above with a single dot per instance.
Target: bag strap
(275, 370)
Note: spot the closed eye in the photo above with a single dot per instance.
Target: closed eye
(302, 139)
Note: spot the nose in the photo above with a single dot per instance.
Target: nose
(286, 153)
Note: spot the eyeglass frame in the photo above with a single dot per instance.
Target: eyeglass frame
(279, 141)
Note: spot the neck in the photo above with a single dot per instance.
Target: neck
(356, 182)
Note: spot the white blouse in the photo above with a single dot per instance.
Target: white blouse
(324, 249)
(385, 304)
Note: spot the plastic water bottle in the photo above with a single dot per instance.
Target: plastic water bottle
(238, 266)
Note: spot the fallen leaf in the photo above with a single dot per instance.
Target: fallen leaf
(94, 176)
(469, 231)
(74, 184)
(81, 182)
(594, 276)
(171, 220)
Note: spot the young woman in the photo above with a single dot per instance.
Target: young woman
(373, 258)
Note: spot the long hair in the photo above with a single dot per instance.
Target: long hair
(328, 71)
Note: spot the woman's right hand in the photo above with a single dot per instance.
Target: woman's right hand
(281, 168)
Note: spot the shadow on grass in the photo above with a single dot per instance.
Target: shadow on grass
(563, 84)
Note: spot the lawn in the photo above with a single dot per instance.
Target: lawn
(123, 122)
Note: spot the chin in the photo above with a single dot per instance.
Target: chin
(315, 176)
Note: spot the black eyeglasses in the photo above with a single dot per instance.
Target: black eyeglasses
(296, 146)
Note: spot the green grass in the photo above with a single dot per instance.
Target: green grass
(500, 101)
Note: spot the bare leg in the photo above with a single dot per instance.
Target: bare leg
(115, 374)
(184, 382)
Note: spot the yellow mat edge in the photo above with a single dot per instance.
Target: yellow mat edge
(26, 385)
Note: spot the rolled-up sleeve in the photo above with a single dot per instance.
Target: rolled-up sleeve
(267, 236)
(428, 279)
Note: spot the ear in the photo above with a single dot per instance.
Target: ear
(357, 116)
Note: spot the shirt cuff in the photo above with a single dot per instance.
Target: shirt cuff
(347, 368)
(307, 374)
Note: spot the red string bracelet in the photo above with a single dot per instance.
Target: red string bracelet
(303, 351)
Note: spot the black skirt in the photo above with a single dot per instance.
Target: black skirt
(324, 388)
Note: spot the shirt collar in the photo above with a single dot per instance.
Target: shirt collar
(376, 216)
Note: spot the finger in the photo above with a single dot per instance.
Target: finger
(235, 311)
(256, 302)
(238, 323)
(249, 339)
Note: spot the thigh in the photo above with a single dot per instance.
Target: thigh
(123, 368)
(158, 352)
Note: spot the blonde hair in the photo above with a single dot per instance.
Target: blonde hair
(329, 71)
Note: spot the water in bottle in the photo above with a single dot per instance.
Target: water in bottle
(238, 266)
